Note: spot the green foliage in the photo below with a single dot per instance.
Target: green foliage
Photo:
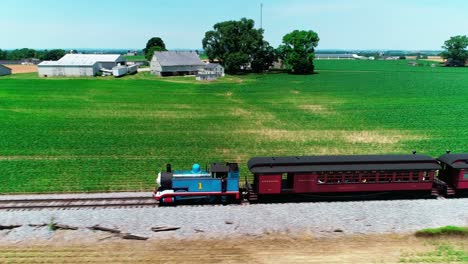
(444, 253)
(150, 52)
(443, 231)
(52, 225)
(298, 49)
(25, 53)
(153, 44)
(107, 134)
(54, 54)
(3, 54)
(236, 44)
(456, 50)
(263, 58)
(19, 54)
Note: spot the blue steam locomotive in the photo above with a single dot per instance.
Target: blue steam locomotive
(218, 184)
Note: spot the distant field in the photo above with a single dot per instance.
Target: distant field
(135, 58)
(103, 134)
(22, 68)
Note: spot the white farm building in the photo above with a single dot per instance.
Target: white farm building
(210, 72)
(79, 65)
(4, 70)
(58, 68)
(167, 63)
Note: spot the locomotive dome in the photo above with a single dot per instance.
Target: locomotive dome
(196, 168)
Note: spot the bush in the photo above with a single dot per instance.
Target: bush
(443, 231)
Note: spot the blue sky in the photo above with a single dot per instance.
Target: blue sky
(341, 24)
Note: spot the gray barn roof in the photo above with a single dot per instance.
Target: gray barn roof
(176, 58)
(212, 65)
(3, 66)
(341, 163)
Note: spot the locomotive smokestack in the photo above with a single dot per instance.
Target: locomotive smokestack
(168, 168)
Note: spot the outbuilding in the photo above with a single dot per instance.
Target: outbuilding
(215, 68)
(80, 65)
(4, 70)
(170, 63)
(76, 68)
(206, 76)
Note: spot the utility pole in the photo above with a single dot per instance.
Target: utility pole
(261, 16)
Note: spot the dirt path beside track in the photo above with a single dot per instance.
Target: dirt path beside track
(273, 248)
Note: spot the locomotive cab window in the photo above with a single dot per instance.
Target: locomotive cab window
(220, 175)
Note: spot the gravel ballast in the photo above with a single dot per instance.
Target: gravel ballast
(318, 219)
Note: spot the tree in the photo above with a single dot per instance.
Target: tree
(149, 53)
(298, 50)
(263, 58)
(24, 53)
(455, 50)
(154, 42)
(236, 44)
(3, 54)
(54, 54)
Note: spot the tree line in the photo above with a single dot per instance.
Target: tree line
(25, 53)
(240, 47)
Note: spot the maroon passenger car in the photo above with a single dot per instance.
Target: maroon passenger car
(342, 175)
(455, 172)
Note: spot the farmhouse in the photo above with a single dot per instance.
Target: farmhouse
(4, 70)
(167, 63)
(210, 71)
(80, 65)
(215, 68)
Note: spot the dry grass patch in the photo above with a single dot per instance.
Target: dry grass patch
(379, 137)
(315, 109)
(365, 137)
(162, 114)
(240, 112)
(22, 68)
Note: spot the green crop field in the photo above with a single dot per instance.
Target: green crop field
(135, 58)
(103, 134)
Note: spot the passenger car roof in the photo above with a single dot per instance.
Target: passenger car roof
(341, 163)
(457, 161)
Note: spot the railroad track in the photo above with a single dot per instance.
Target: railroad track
(29, 204)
